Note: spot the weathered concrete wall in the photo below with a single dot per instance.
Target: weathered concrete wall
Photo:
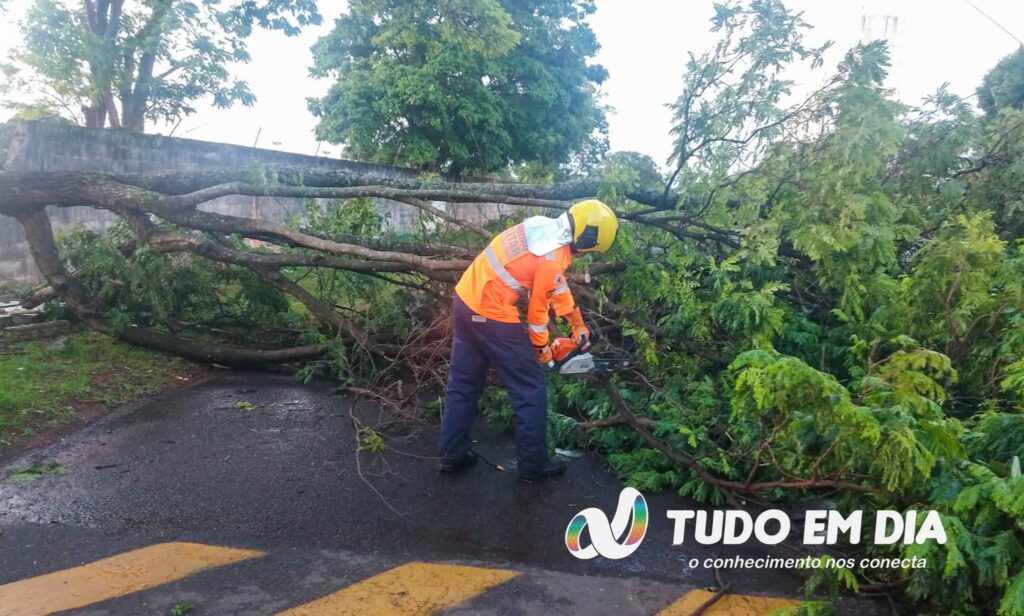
(39, 146)
(16, 263)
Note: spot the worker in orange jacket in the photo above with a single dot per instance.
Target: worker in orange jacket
(531, 256)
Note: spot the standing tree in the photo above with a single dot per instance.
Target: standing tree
(642, 167)
(463, 85)
(1003, 86)
(119, 63)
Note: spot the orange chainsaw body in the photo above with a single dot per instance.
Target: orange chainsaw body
(561, 348)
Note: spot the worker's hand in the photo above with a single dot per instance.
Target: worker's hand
(544, 356)
(581, 335)
(580, 331)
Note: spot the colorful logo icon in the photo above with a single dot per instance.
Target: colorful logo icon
(604, 536)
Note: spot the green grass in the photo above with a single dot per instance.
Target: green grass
(44, 384)
(37, 471)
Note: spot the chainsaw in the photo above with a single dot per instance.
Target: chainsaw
(570, 357)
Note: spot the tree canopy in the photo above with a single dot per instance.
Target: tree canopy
(121, 63)
(1003, 86)
(463, 85)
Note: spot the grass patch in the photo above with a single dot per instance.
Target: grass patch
(37, 471)
(44, 384)
(182, 608)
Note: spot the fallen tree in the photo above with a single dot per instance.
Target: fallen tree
(163, 212)
(830, 306)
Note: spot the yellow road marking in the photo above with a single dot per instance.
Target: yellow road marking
(113, 577)
(729, 605)
(413, 588)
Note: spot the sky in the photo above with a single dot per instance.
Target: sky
(644, 46)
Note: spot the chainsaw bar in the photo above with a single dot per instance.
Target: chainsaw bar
(587, 363)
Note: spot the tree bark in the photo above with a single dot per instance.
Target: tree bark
(175, 197)
(39, 233)
(80, 188)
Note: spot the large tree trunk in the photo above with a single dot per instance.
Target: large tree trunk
(104, 19)
(175, 197)
(95, 115)
(134, 100)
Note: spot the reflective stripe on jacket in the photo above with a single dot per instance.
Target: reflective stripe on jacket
(493, 282)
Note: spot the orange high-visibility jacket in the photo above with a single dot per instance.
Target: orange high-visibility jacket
(491, 285)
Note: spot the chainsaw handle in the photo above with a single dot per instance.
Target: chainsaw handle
(588, 341)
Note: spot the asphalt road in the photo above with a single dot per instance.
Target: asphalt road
(261, 462)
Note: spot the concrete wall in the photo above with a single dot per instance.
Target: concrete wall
(40, 146)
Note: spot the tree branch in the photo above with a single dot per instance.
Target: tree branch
(44, 251)
(723, 484)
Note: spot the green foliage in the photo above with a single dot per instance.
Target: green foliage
(830, 580)
(138, 285)
(359, 297)
(984, 550)
(37, 471)
(462, 86)
(1003, 86)
(757, 41)
(496, 408)
(370, 440)
(818, 428)
(182, 608)
(858, 264)
(641, 169)
(124, 63)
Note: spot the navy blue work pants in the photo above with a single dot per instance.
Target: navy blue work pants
(480, 343)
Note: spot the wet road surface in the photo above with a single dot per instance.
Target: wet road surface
(260, 462)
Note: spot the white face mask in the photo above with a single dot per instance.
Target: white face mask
(545, 234)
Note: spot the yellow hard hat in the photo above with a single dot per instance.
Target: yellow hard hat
(594, 226)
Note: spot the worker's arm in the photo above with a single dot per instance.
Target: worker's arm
(550, 290)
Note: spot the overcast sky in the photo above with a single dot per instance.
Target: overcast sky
(644, 46)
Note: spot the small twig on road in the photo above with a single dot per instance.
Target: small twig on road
(722, 589)
(359, 467)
